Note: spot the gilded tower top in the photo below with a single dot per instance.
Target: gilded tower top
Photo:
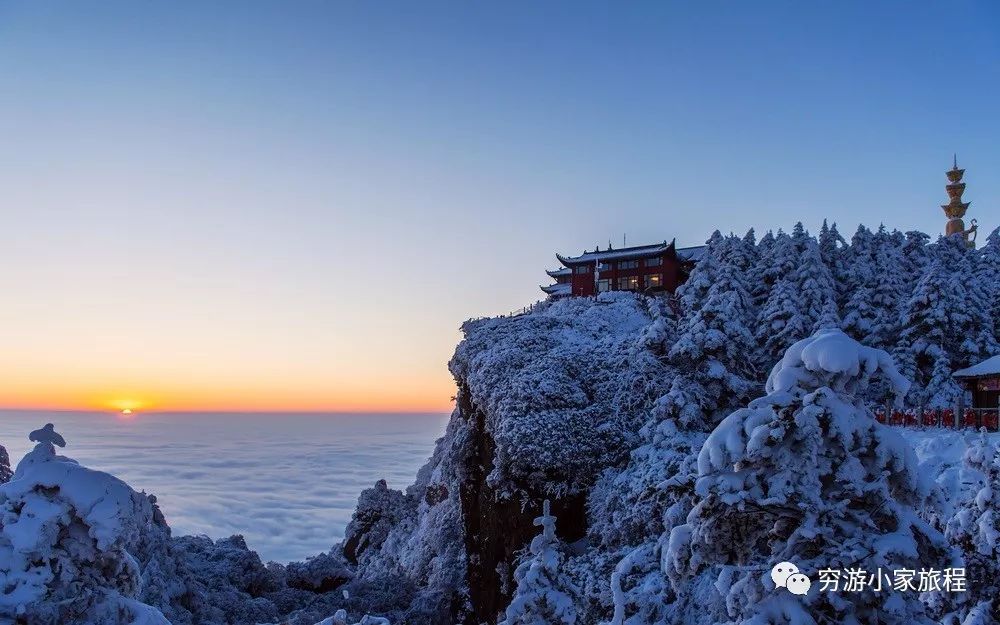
(955, 208)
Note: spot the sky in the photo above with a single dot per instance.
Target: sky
(293, 206)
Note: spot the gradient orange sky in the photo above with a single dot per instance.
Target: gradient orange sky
(270, 206)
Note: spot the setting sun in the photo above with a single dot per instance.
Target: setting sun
(126, 406)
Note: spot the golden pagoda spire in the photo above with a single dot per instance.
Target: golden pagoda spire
(955, 208)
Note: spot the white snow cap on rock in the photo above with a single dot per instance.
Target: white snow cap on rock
(831, 358)
(66, 532)
(47, 434)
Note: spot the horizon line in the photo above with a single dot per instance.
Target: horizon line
(227, 411)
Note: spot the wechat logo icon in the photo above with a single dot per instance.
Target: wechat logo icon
(787, 575)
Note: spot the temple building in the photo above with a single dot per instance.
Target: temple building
(660, 267)
(955, 208)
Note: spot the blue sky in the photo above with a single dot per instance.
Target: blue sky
(295, 204)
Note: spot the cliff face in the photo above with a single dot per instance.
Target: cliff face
(497, 528)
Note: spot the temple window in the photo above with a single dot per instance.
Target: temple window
(630, 283)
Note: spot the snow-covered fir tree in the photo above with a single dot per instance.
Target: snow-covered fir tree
(832, 248)
(976, 339)
(915, 254)
(544, 596)
(932, 322)
(887, 293)
(988, 275)
(741, 252)
(712, 353)
(781, 322)
(800, 236)
(805, 474)
(778, 258)
(692, 293)
(765, 244)
(817, 293)
(860, 314)
(941, 389)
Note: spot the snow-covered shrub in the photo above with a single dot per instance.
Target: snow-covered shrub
(67, 537)
(564, 390)
(340, 618)
(320, 573)
(975, 528)
(805, 474)
(544, 596)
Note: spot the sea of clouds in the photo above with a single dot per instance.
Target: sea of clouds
(288, 483)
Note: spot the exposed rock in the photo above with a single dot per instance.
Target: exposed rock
(5, 470)
(322, 573)
(379, 509)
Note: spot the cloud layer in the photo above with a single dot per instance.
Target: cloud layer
(288, 483)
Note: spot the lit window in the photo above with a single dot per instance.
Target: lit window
(581, 269)
(654, 262)
(630, 283)
(628, 264)
(654, 280)
(603, 285)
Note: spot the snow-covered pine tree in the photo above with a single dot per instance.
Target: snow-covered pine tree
(988, 275)
(933, 320)
(973, 338)
(750, 240)
(802, 300)
(544, 596)
(712, 354)
(975, 531)
(888, 293)
(859, 260)
(780, 322)
(765, 244)
(984, 296)
(661, 334)
(830, 317)
(859, 314)
(692, 293)
(806, 475)
(817, 293)
(800, 236)
(740, 252)
(915, 254)
(941, 390)
(776, 260)
(832, 247)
